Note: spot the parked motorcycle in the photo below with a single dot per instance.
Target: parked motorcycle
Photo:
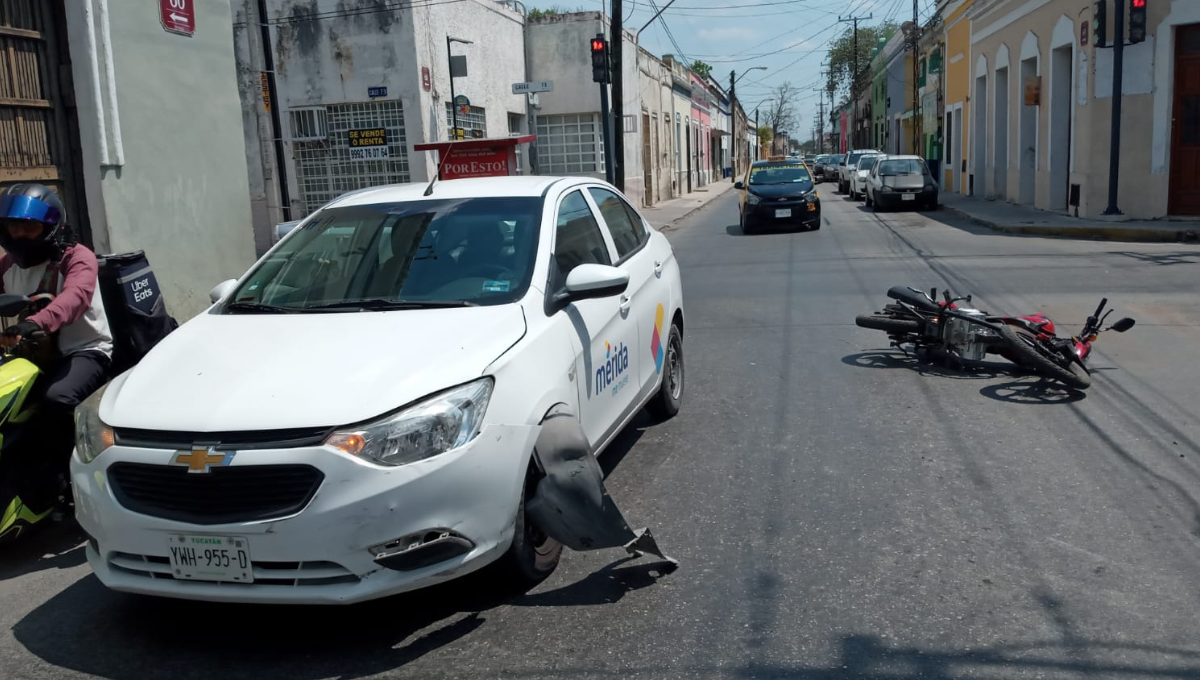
(916, 318)
(19, 373)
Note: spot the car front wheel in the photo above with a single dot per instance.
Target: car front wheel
(533, 555)
(666, 402)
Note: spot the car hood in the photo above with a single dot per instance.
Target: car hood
(781, 190)
(278, 371)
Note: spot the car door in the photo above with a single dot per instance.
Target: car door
(606, 333)
(647, 296)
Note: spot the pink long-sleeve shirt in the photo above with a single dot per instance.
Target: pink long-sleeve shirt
(77, 311)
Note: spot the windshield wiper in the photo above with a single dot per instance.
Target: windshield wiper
(385, 303)
(247, 306)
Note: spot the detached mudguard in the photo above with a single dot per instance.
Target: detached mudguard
(571, 504)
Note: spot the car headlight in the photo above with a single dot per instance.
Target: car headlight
(929, 187)
(751, 199)
(885, 188)
(434, 426)
(811, 196)
(92, 436)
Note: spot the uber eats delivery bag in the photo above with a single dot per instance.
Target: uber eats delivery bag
(133, 302)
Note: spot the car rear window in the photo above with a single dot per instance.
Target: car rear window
(904, 166)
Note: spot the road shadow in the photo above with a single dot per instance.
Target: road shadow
(1164, 259)
(868, 657)
(933, 365)
(1038, 391)
(90, 629)
(606, 586)
(625, 441)
(734, 230)
(54, 545)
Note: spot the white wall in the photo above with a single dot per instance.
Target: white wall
(175, 182)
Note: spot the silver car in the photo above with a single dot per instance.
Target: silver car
(901, 181)
(850, 166)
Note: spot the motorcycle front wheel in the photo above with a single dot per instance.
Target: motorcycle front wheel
(1025, 346)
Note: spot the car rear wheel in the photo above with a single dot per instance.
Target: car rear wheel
(666, 403)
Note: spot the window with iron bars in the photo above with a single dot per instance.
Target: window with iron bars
(324, 169)
(569, 144)
(473, 119)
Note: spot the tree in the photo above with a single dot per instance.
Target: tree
(701, 69)
(841, 56)
(781, 108)
(765, 136)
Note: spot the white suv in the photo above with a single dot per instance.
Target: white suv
(404, 389)
(850, 167)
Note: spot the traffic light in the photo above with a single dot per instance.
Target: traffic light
(1100, 22)
(599, 59)
(1137, 21)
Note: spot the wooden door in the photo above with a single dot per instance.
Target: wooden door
(1184, 198)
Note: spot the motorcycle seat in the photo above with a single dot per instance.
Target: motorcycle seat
(915, 299)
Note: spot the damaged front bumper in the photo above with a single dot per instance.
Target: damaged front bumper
(367, 532)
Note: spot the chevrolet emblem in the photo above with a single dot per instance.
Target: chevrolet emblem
(201, 459)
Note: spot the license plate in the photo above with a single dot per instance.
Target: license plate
(908, 197)
(785, 212)
(210, 558)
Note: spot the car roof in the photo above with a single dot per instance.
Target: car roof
(521, 185)
(906, 157)
(784, 161)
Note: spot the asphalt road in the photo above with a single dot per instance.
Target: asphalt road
(837, 510)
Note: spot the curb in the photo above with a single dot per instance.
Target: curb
(1091, 233)
(675, 221)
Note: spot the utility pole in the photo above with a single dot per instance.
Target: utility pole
(285, 199)
(821, 122)
(618, 95)
(916, 36)
(733, 117)
(854, 77)
(1114, 154)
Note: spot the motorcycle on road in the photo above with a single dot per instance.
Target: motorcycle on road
(916, 318)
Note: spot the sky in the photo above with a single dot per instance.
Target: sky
(789, 37)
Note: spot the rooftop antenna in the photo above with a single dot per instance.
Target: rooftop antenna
(441, 163)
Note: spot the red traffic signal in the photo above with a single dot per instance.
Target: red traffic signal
(598, 45)
(1137, 21)
(600, 70)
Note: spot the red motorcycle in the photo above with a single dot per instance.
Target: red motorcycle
(916, 318)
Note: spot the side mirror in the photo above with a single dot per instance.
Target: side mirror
(221, 290)
(1123, 325)
(12, 304)
(589, 281)
(739, 185)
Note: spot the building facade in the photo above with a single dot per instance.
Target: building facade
(128, 119)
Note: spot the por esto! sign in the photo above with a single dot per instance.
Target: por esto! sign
(476, 163)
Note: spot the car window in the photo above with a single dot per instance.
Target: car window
(904, 166)
(577, 240)
(478, 250)
(867, 162)
(624, 224)
(783, 173)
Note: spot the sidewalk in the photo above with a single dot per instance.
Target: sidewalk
(665, 214)
(1019, 219)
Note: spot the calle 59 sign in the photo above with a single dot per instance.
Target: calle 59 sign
(177, 16)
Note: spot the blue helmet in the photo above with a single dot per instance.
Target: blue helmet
(37, 204)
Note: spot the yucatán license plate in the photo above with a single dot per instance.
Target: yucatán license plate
(908, 197)
(784, 212)
(210, 558)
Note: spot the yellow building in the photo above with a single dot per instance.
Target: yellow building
(957, 79)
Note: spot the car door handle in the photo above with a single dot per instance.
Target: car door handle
(658, 265)
(626, 302)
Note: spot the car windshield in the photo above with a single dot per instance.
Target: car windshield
(853, 158)
(837, 160)
(444, 252)
(867, 162)
(791, 173)
(904, 166)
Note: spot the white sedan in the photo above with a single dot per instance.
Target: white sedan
(404, 389)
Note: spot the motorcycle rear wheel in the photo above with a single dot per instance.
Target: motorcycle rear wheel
(889, 324)
(1073, 376)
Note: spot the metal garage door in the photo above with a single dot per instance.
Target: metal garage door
(325, 168)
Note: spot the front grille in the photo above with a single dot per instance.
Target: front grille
(242, 439)
(290, 574)
(242, 493)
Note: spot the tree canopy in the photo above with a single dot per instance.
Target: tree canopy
(841, 55)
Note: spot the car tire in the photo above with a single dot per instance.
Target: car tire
(747, 227)
(867, 199)
(532, 556)
(666, 402)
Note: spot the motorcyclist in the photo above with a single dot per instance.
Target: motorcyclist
(41, 255)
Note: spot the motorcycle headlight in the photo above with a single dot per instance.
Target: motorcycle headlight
(751, 199)
(434, 426)
(92, 436)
